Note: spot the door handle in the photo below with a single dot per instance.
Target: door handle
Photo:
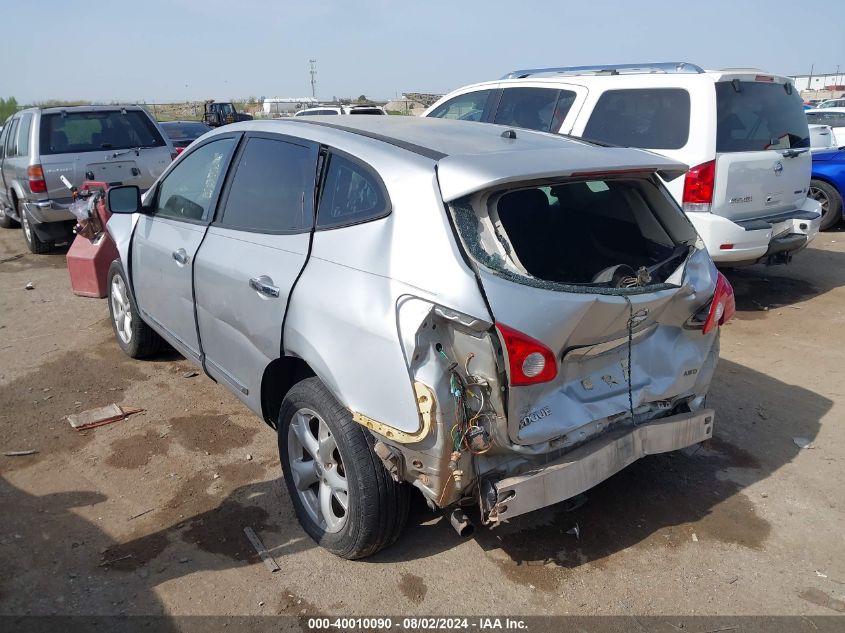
(264, 285)
(181, 256)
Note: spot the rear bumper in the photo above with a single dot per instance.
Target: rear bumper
(753, 241)
(594, 462)
(44, 211)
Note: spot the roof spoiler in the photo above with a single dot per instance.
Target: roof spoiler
(612, 69)
(463, 174)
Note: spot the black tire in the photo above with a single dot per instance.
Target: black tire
(6, 222)
(377, 506)
(830, 200)
(138, 340)
(35, 244)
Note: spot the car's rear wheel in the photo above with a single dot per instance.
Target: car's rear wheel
(830, 199)
(343, 496)
(36, 244)
(134, 337)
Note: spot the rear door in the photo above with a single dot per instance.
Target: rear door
(165, 242)
(763, 161)
(572, 245)
(251, 257)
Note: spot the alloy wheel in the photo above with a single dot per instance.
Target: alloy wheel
(317, 469)
(121, 309)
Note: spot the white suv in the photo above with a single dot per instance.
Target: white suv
(742, 131)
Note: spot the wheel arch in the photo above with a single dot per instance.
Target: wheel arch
(278, 378)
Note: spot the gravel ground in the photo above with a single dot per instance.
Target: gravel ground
(145, 516)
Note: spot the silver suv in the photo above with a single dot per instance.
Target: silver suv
(113, 144)
(494, 316)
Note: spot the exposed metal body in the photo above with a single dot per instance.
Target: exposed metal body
(382, 310)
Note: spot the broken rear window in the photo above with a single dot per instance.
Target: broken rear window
(613, 233)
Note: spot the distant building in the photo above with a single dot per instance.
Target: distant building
(832, 82)
(286, 106)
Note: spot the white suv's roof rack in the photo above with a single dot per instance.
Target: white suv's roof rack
(611, 69)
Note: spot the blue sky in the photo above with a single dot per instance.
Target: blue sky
(172, 50)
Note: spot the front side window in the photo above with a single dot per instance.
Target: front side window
(540, 109)
(654, 118)
(466, 107)
(351, 194)
(188, 190)
(68, 132)
(273, 188)
(755, 116)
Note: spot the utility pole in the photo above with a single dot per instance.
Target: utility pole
(810, 80)
(312, 63)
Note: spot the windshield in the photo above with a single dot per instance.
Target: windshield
(69, 132)
(756, 116)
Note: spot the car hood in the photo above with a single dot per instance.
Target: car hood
(829, 155)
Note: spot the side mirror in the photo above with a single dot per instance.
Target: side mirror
(125, 199)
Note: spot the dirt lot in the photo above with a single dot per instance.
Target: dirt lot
(145, 516)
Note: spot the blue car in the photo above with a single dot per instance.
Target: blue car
(828, 184)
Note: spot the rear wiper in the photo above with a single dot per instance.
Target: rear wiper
(137, 150)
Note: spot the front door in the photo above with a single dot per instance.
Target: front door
(251, 257)
(166, 240)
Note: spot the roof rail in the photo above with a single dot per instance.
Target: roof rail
(611, 69)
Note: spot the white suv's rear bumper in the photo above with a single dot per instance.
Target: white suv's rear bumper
(750, 245)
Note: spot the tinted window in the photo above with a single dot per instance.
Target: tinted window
(273, 188)
(184, 130)
(188, 190)
(759, 116)
(12, 137)
(833, 119)
(3, 134)
(351, 194)
(315, 112)
(365, 111)
(23, 135)
(656, 118)
(466, 107)
(534, 108)
(102, 129)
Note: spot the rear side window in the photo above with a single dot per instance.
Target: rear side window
(97, 130)
(351, 194)
(466, 107)
(23, 135)
(833, 119)
(273, 188)
(540, 109)
(655, 118)
(12, 137)
(755, 116)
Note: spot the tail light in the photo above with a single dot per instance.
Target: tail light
(698, 187)
(529, 360)
(35, 175)
(723, 306)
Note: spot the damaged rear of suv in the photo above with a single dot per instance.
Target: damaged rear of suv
(495, 317)
(606, 309)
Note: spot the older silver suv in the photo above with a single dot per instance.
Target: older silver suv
(113, 144)
(497, 317)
